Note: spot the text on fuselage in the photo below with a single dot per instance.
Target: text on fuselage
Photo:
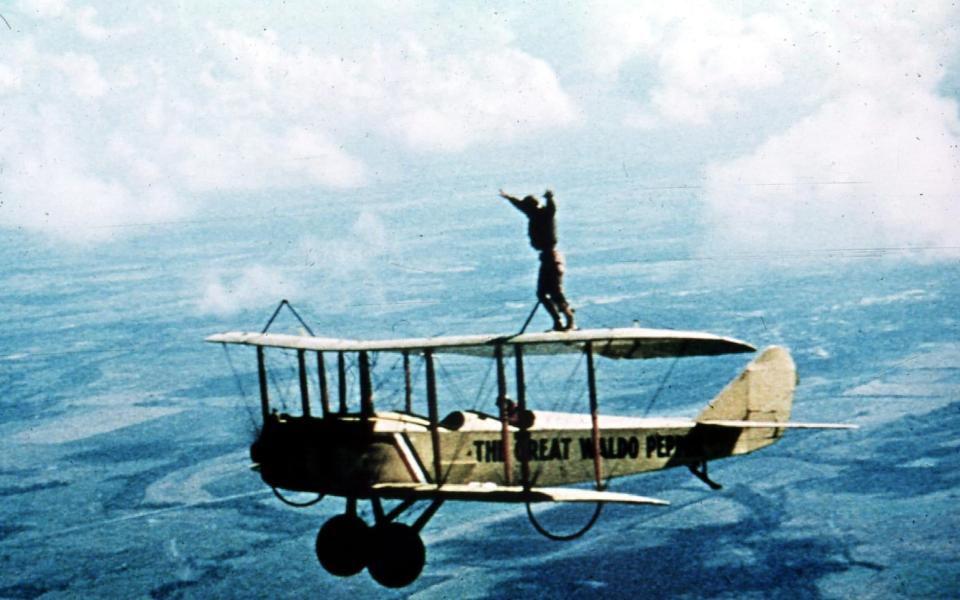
(611, 447)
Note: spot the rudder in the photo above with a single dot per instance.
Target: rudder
(762, 392)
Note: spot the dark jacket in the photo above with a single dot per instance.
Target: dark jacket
(541, 226)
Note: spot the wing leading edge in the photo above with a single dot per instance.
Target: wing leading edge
(627, 342)
(483, 492)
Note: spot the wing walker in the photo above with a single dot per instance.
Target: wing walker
(520, 455)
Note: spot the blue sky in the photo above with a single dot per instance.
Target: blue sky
(816, 122)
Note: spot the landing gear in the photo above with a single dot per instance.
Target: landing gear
(342, 545)
(392, 552)
(397, 555)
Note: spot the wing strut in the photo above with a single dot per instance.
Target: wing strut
(262, 376)
(407, 389)
(594, 417)
(342, 382)
(322, 376)
(366, 388)
(304, 390)
(523, 436)
(434, 417)
(504, 424)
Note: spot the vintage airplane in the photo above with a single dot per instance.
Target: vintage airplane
(518, 455)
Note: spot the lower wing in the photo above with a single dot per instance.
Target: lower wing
(488, 492)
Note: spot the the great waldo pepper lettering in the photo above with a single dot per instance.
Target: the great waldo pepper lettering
(559, 448)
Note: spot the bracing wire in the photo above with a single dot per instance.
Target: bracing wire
(448, 379)
(281, 395)
(243, 392)
(481, 392)
(233, 369)
(276, 388)
(458, 393)
(382, 380)
(461, 399)
(295, 314)
(414, 381)
(569, 401)
(661, 386)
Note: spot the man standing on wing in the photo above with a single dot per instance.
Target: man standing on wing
(542, 229)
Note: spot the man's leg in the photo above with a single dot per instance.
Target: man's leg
(557, 292)
(545, 283)
(548, 304)
(565, 309)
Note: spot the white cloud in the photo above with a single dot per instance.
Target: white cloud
(706, 58)
(100, 128)
(82, 72)
(54, 186)
(251, 288)
(495, 95)
(348, 266)
(61, 169)
(351, 264)
(713, 60)
(83, 19)
(42, 8)
(428, 101)
(88, 27)
(137, 142)
(352, 255)
(866, 152)
(620, 31)
(18, 57)
(246, 155)
(857, 172)
(173, 113)
(9, 79)
(880, 122)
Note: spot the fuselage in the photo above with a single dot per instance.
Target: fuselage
(348, 454)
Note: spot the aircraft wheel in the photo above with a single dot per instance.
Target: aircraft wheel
(397, 555)
(342, 545)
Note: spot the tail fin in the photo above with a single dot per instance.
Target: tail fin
(763, 393)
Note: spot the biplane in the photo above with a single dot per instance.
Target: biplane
(517, 455)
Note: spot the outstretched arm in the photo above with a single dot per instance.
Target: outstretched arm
(513, 201)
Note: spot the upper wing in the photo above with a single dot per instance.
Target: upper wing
(628, 342)
(483, 492)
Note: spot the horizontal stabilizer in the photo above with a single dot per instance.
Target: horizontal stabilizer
(488, 492)
(775, 424)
